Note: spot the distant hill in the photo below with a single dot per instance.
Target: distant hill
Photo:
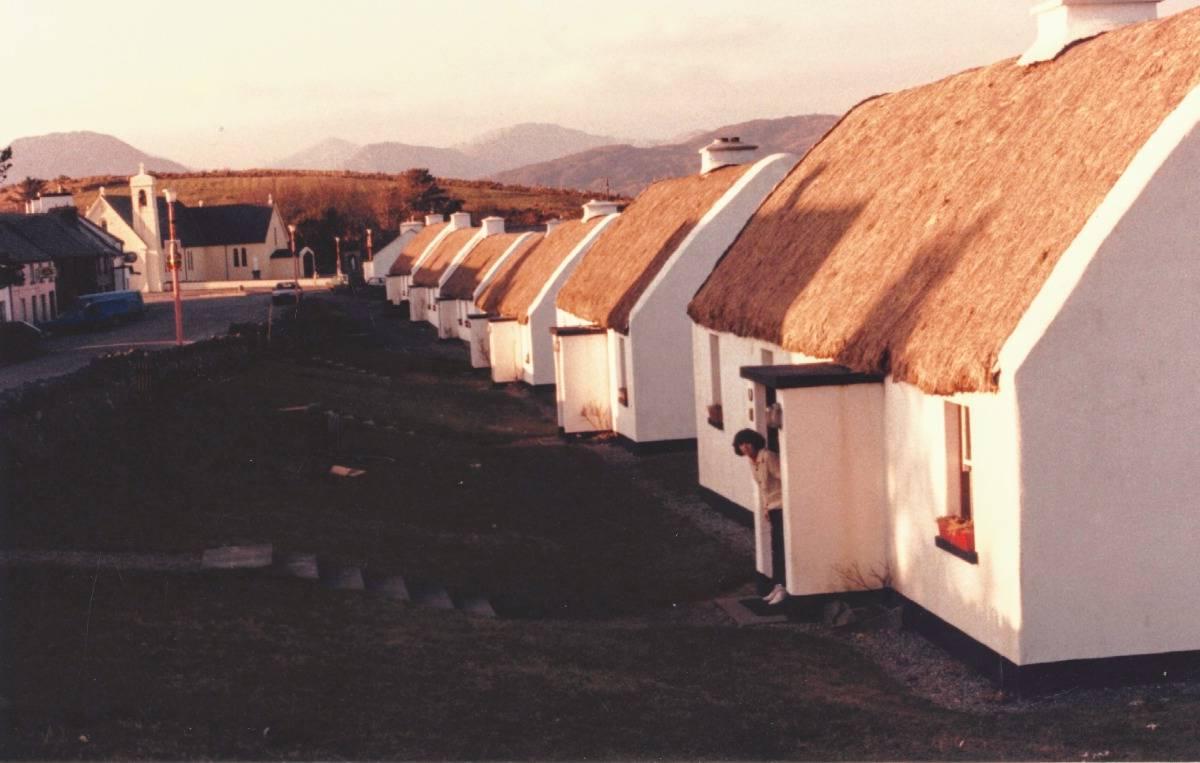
(528, 143)
(77, 154)
(329, 154)
(397, 157)
(626, 169)
(489, 153)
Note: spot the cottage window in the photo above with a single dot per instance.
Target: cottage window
(956, 529)
(716, 414)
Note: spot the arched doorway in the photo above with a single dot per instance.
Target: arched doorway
(308, 262)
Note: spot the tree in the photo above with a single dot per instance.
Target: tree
(424, 196)
(5, 162)
(30, 188)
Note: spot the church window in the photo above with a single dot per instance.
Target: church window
(141, 198)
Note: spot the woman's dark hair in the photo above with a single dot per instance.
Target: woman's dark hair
(748, 436)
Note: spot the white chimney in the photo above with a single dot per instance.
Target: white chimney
(270, 200)
(460, 220)
(552, 224)
(1062, 22)
(724, 152)
(434, 219)
(411, 227)
(200, 203)
(597, 208)
(492, 225)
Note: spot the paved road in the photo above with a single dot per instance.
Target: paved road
(203, 317)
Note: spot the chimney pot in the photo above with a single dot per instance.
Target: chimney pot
(1062, 22)
(493, 225)
(552, 224)
(434, 219)
(597, 208)
(410, 227)
(460, 220)
(724, 152)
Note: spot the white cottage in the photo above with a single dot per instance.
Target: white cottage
(459, 314)
(963, 320)
(399, 275)
(381, 264)
(428, 271)
(519, 299)
(622, 350)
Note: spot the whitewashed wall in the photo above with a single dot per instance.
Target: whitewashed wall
(582, 392)
(660, 368)
(502, 341)
(447, 318)
(418, 303)
(835, 512)
(477, 340)
(1106, 395)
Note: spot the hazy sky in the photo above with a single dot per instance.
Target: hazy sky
(224, 83)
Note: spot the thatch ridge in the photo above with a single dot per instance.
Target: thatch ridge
(607, 283)
(470, 272)
(915, 236)
(412, 250)
(440, 258)
(512, 292)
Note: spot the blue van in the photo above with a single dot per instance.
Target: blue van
(93, 311)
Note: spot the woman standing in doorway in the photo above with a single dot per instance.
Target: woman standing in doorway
(765, 466)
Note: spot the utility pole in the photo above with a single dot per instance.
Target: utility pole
(173, 264)
(292, 244)
(337, 256)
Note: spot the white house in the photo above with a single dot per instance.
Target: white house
(519, 299)
(975, 300)
(226, 242)
(427, 272)
(622, 351)
(458, 313)
(59, 256)
(399, 275)
(381, 264)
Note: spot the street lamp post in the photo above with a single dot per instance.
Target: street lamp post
(173, 264)
(292, 243)
(337, 256)
(370, 256)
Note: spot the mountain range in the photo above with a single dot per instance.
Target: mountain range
(492, 152)
(531, 154)
(627, 169)
(79, 154)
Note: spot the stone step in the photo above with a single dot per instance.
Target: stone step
(238, 557)
(477, 606)
(432, 596)
(342, 578)
(300, 566)
(389, 586)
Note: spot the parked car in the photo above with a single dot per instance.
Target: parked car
(286, 293)
(93, 311)
(19, 341)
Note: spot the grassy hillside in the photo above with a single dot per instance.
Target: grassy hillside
(303, 194)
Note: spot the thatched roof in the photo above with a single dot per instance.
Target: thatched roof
(412, 250)
(614, 273)
(440, 258)
(466, 278)
(520, 280)
(915, 235)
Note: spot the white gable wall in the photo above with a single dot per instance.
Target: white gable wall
(662, 403)
(536, 351)
(1109, 415)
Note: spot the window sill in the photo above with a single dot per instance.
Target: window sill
(970, 557)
